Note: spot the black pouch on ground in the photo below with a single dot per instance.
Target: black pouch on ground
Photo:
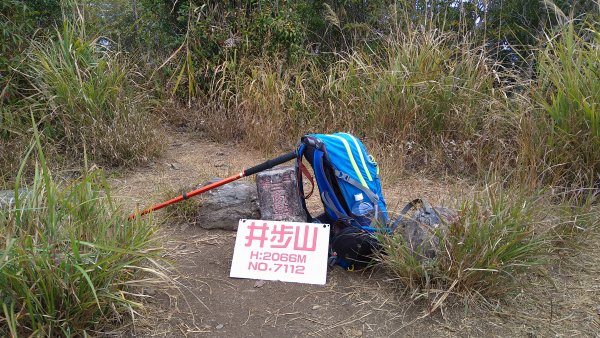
(352, 247)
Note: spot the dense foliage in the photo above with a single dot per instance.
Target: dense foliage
(483, 63)
(19, 21)
(470, 87)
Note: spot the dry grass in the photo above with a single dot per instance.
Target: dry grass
(200, 257)
(83, 99)
(424, 99)
(501, 236)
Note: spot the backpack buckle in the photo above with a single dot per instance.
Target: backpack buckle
(332, 260)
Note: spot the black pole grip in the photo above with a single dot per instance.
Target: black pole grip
(270, 163)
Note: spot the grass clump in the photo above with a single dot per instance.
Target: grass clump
(500, 235)
(71, 262)
(183, 212)
(83, 96)
(569, 99)
(89, 97)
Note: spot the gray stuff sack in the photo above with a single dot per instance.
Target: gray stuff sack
(423, 227)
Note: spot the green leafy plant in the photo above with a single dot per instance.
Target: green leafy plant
(71, 262)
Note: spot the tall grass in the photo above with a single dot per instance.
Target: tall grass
(426, 98)
(569, 96)
(501, 234)
(83, 96)
(427, 95)
(71, 262)
(90, 97)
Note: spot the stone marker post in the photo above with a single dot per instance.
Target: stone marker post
(278, 195)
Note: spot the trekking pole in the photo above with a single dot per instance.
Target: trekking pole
(250, 171)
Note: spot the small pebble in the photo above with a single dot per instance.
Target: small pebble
(149, 292)
(220, 326)
(315, 307)
(356, 333)
(259, 283)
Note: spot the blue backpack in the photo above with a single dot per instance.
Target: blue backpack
(342, 169)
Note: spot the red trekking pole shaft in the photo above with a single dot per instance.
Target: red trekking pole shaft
(250, 171)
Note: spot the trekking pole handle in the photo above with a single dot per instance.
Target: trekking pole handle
(270, 163)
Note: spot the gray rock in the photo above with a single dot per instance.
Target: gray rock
(223, 207)
(7, 198)
(278, 195)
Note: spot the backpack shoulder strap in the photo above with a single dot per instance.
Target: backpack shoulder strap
(304, 171)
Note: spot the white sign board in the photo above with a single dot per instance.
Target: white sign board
(284, 251)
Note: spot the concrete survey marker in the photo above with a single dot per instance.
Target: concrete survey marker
(278, 195)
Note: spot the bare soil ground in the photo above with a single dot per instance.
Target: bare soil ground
(563, 300)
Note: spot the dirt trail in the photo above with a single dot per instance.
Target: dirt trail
(207, 303)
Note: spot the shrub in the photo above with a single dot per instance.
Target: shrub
(70, 260)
